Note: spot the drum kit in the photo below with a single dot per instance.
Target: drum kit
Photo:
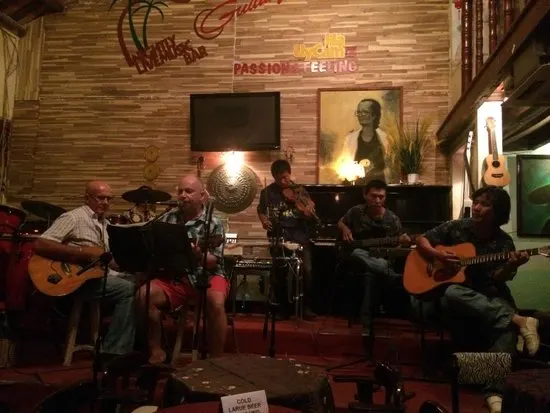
(145, 200)
(17, 232)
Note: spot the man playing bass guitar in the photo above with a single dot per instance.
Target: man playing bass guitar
(483, 307)
(372, 220)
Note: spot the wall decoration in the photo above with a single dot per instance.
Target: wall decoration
(151, 171)
(329, 57)
(533, 195)
(347, 115)
(211, 22)
(148, 56)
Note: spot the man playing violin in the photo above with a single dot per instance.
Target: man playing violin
(169, 291)
(280, 216)
(372, 220)
(80, 235)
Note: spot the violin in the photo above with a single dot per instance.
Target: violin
(298, 195)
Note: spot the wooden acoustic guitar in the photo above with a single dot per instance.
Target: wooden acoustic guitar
(58, 278)
(423, 276)
(468, 191)
(495, 166)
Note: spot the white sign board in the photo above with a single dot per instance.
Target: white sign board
(253, 402)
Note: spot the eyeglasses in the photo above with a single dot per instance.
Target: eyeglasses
(101, 198)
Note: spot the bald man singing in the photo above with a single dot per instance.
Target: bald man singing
(80, 235)
(169, 291)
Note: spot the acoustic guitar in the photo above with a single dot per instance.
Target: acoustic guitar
(422, 276)
(468, 191)
(58, 278)
(495, 167)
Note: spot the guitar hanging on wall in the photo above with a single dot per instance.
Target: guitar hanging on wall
(495, 166)
(468, 180)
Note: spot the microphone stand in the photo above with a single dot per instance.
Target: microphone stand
(272, 304)
(104, 259)
(202, 286)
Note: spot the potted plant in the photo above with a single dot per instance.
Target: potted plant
(408, 145)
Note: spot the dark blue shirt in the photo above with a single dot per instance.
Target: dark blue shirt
(295, 226)
(479, 276)
(362, 226)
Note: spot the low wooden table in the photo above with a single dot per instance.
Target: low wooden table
(287, 383)
(214, 407)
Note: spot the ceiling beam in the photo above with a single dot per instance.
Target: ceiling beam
(11, 25)
(55, 5)
(491, 74)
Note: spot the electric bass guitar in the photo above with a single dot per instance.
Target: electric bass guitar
(364, 243)
(495, 167)
(422, 276)
(58, 278)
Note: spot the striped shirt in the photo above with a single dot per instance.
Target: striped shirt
(79, 227)
(196, 231)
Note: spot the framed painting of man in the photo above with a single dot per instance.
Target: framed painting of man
(351, 131)
(533, 195)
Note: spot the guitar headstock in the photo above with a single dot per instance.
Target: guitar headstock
(544, 251)
(490, 124)
(469, 141)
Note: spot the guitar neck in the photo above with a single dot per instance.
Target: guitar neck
(376, 242)
(493, 140)
(495, 257)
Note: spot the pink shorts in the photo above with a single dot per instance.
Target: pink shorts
(178, 292)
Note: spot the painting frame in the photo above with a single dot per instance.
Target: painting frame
(532, 190)
(331, 141)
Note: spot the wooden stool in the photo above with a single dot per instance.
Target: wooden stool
(72, 329)
(287, 383)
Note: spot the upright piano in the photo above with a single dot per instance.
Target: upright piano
(420, 208)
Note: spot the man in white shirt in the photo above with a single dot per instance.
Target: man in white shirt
(80, 235)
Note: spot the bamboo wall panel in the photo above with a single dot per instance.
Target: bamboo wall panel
(30, 57)
(97, 115)
(23, 150)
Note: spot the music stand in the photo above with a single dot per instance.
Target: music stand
(149, 248)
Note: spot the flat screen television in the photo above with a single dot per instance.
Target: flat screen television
(235, 122)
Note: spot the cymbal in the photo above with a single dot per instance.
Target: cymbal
(540, 195)
(145, 194)
(42, 209)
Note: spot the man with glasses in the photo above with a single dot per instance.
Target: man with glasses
(80, 235)
(366, 145)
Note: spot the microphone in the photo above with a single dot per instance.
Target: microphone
(104, 258)
(169, 203)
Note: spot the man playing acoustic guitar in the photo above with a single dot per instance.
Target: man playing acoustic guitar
(484, 300)
(168, 292)
(367, 221)
(80, 235)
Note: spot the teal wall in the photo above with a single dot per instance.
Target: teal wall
(531, 287)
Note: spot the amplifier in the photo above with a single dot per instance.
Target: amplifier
(254, 264)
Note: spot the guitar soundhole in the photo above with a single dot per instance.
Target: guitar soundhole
(54, 279)
(496, 164)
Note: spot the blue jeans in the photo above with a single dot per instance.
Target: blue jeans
(376, 273)
(493, 316)
(120, 291)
